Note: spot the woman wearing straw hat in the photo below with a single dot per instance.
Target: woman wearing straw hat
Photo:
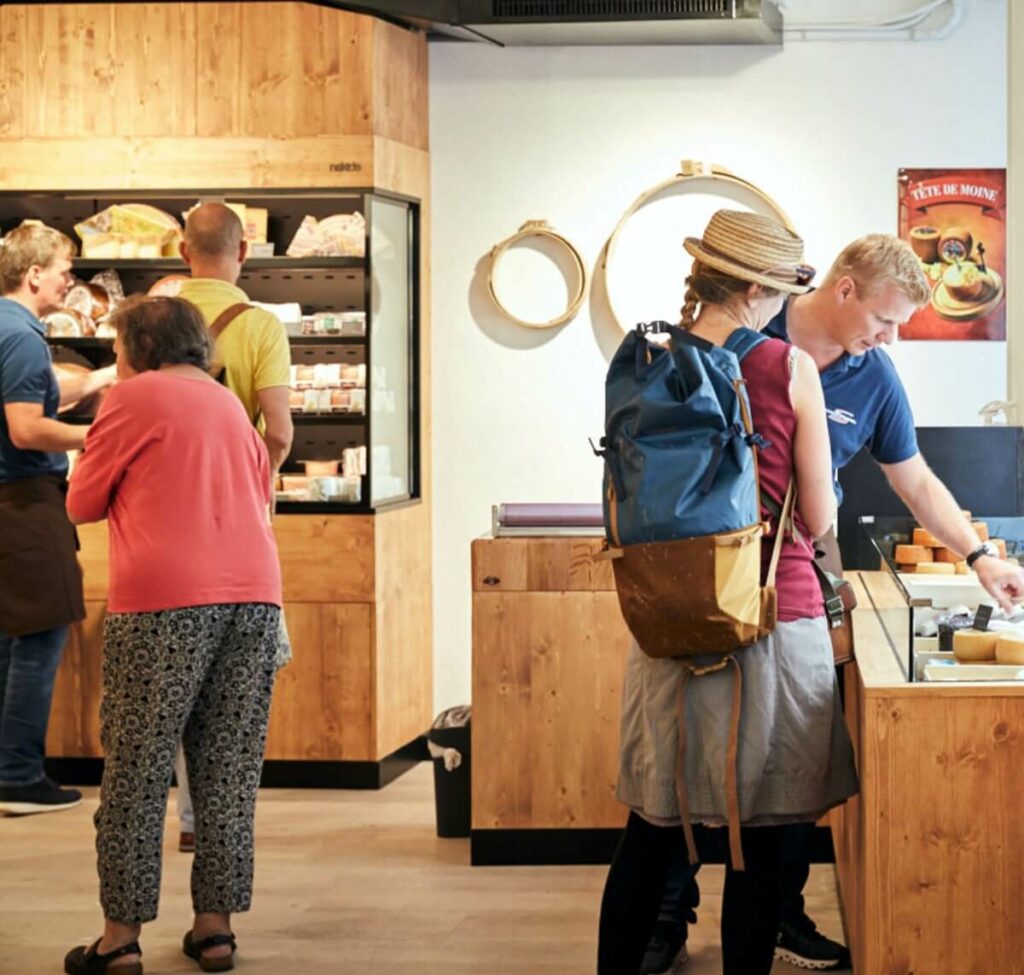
(795, 758)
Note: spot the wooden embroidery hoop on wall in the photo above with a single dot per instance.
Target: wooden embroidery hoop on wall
(540, 228)
(692, 177)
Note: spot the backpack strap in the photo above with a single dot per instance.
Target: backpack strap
(744, 340)
(732, 798)
(226, 317)
(217, 326)
(784, 516)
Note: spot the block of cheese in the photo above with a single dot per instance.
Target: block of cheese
(926, 538)
(946, 555)
(912, 554)
(1010, 647)
(981, 528)
(1001, 545)
(936, 568)
(961, 568)
(974, 645)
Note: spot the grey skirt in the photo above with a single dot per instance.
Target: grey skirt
(795, 759)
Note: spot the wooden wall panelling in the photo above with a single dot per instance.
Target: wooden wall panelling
(323, 700)
(400, 85)
(117, 69)
(326, 558)
(74, 729)
(547, 678)
(172, 163)
(13, 57)
(540, 564)
(403, 627)
(944, 878)
(283, 70)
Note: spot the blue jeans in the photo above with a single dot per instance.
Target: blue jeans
(28, 668)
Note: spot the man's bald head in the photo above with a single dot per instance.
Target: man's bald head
(213, 231)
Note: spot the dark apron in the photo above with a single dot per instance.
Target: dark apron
(40, 581)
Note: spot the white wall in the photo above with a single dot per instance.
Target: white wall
(574, 135)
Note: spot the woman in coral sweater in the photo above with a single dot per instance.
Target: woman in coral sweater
(174, 465)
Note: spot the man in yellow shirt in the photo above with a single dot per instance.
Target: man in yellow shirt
(253, 349)
(254, 346)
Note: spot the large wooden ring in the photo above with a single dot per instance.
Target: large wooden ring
(692, 177)
(540, 228)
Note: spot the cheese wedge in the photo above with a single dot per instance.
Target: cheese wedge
(936, 568)
(981, 528)
(925, 538)
(1010, 648)
(912, 554)
(974, 645)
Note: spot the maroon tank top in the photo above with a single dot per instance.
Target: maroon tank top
(767, 374)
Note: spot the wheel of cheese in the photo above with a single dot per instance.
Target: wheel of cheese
(926, 538)
(936, 568)
(1000, 545)
(946, 555)
(913, 554)
(1010, 648)
(905, 569)
(974, 645)
(981, 528)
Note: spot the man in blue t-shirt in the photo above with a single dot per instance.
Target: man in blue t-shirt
(872, 288)
(40, 584)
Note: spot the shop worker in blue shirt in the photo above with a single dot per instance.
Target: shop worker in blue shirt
(873, 287)
(40, 584)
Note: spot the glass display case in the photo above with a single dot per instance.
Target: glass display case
(339, 268)
(919, 612)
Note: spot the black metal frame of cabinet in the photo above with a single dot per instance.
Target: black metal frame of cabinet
(63, 209)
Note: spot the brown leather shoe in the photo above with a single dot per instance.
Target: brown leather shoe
(187, 843)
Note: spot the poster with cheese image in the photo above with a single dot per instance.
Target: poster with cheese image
(955, 221)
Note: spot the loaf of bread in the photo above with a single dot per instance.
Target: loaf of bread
(974, 645)
(913, 554)
(1010, 648)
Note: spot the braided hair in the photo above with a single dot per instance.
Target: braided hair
(706, 285)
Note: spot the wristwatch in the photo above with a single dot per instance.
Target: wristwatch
(985, 548)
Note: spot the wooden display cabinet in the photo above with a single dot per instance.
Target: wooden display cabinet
(151, 101)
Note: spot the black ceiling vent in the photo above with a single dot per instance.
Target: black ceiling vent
(539, 9)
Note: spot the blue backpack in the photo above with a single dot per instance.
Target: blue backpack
(682, 507)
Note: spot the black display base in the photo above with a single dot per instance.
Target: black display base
(575, 847)
(280, 774)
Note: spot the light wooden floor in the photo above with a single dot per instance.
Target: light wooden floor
(346, 882)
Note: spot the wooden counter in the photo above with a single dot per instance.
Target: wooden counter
(930, 853)
(358, 688)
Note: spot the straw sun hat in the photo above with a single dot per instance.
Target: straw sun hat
(753, 248)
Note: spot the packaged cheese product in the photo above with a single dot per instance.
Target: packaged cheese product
(936, 568)
(925, 538)
(1010, 647)
(974, 645)
(913, 554)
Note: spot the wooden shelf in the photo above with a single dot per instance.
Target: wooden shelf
(253, 264)
(311, 419)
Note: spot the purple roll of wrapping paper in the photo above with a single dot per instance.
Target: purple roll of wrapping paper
(551, 515)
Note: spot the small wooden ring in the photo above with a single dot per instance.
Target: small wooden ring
(540, 228)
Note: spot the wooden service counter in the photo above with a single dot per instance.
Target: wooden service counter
(349, 709)
(930, 853)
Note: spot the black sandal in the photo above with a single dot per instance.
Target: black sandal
(86, 960)
(195, 949)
